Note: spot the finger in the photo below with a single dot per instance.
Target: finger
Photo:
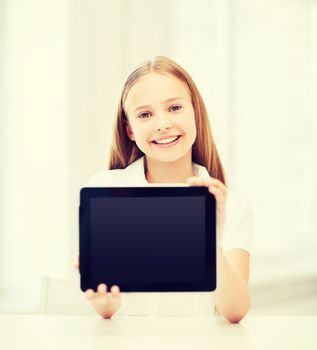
(206, 181)
(115, 291)
(203, 181)
(216, 183)
(220, 187)
(220, 198)
(102, 288)
(89, 294)
(199, 182)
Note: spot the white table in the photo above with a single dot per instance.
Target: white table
(129, 332)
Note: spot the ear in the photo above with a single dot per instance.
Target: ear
(129, 132)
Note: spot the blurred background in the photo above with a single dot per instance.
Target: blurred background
(62, 65)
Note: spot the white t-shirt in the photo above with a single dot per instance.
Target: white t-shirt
(237, 233)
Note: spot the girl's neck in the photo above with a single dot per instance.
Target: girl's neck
(175, 172)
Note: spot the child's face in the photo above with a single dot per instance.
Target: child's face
(161, 115)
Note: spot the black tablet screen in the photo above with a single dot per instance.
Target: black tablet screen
(148, 239)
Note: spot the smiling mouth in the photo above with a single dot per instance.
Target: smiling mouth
(167, 141)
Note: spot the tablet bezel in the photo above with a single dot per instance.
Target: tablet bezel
(86, 193)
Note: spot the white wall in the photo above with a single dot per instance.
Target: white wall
(272, 153)
(35, 236)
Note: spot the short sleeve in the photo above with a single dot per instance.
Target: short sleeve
(97, 180)
(107, 178)
(239, 225)
(91, 182)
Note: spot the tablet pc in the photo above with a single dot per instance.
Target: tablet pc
(148, 239)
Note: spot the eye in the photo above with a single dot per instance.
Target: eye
(144, 115)
(176, 108)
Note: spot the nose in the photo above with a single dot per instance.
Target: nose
(163, 122)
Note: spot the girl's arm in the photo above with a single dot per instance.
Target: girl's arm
(232, 295)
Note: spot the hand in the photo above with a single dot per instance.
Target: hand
(106, 304)
(219, 190)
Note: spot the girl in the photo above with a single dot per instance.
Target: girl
(162, 134)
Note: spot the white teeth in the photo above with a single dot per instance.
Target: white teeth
(169, 140)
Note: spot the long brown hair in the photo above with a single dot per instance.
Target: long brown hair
(123, 151)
